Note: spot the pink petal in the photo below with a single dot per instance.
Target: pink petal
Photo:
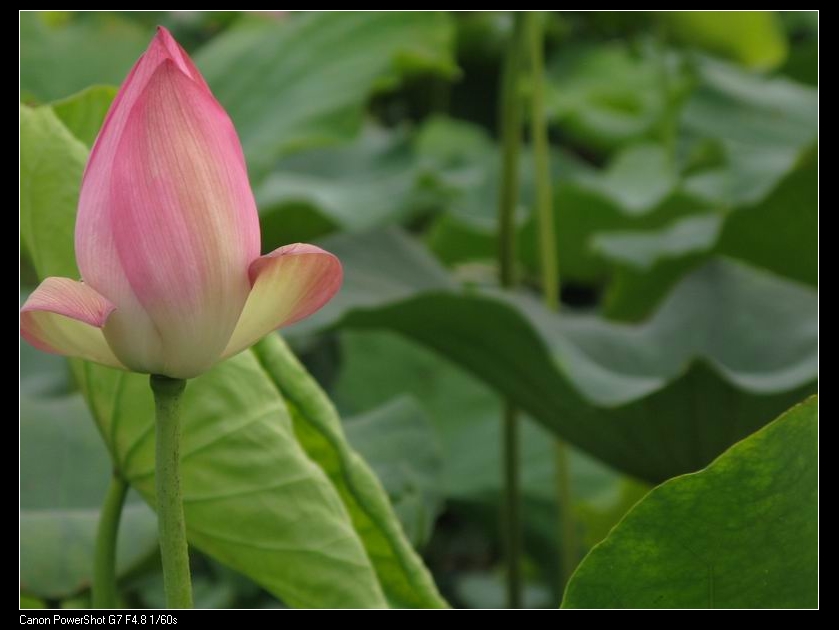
(289, 284)
(66, 317)
(183, 220)
(96, 252)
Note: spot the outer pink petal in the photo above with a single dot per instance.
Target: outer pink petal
(96, 252)
(184, 221)
(289, 284)
(63, 316)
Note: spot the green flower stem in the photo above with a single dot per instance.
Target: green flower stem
(104, 561)
(510, 128)
(174, 552)
(550, 271)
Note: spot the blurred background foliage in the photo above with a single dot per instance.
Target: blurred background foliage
(685, 194)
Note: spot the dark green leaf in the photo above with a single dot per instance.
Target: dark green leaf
(779, 233)
(743, 533)
(622, 393)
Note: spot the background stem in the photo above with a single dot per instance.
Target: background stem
(104, 562)
(174, 551)
(550, 272)
(508, 195)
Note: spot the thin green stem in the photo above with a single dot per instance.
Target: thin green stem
(550, 270)
(104, 561)
(174, 551)
(542, 161)
(512, 506)
(510, 128)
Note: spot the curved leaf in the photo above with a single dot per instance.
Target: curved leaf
(779, 233)
(743, 533)
(650, 399)
(318, 428)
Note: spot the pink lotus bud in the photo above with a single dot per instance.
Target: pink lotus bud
(167, 238)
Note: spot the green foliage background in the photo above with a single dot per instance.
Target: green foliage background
(685, 167)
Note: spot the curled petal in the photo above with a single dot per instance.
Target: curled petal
(289, 284)
(66, 317)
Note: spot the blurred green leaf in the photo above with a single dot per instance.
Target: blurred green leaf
(41, 374)
(59, 59)
(482, 590)
(253, 498)
(743, 533)
(779, 233)
(400, 444)
(763, 124)
(317, 428)
(64, 475)
(83, 113)
(303, 82)
(606, 96)
(644, 248)
(754, 38)
(368, 183)
(639, 187)
(621, 393)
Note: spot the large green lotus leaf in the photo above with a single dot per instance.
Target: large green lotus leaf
(652, 400)
(779, 233)
(754, 38)
(62, 53)
(255, 499)
(64, 473)
(252, 497)
(303, 81)
(399, 442)
(743, 533)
